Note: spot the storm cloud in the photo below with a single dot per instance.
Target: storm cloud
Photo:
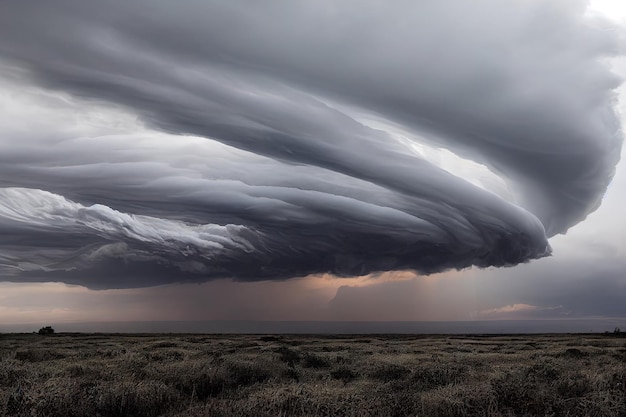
(144, 143)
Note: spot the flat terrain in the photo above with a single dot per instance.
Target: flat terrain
(260, 375)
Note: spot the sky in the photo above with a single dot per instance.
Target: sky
(318, 160)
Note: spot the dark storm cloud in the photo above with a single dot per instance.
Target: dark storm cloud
(297, 184)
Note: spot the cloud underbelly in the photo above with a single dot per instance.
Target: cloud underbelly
(166, 147)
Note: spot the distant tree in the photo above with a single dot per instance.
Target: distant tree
(46, 330)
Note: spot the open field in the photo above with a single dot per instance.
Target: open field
(259, 375)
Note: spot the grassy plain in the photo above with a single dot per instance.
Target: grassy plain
(260, 375)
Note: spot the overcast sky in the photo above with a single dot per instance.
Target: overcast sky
(314, 160)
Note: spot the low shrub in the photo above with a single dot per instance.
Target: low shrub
(390, 372)
(343, 373)
(311, 360)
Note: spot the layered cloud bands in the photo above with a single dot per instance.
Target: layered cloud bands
(145, 142)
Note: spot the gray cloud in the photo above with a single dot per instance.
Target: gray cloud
(256, 160)
(550, 288)
(579, 287)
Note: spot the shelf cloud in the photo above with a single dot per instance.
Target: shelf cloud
(147, 143)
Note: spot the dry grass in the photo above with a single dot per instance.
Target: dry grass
(199, 375)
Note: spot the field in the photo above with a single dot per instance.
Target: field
(259, 375)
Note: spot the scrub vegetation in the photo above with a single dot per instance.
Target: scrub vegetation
(260, 375)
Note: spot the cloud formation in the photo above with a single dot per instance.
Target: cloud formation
(148, 143)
